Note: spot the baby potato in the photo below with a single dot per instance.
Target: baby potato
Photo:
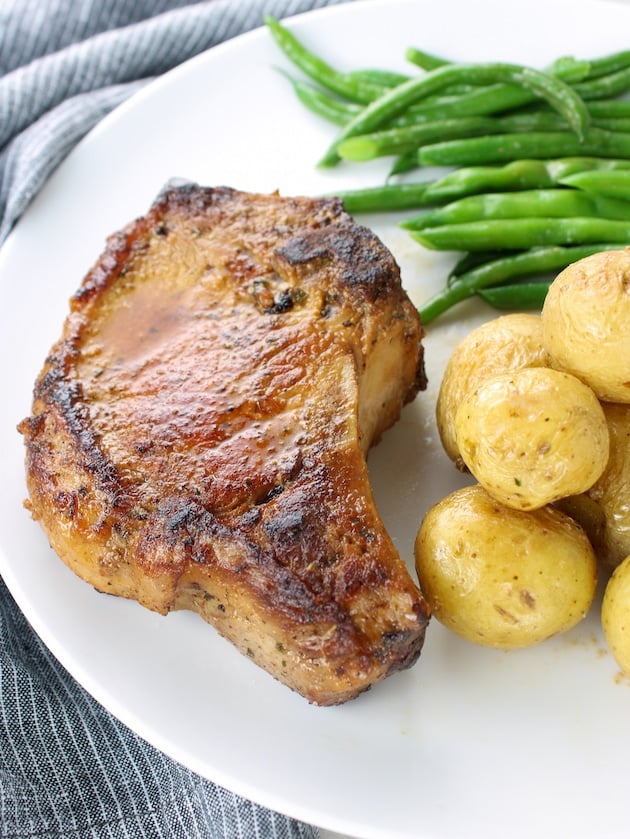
(588, 514)
(506, 343)
(611, 492)
(501, 577)
(616, 615)
(585, 321)
(532, 436)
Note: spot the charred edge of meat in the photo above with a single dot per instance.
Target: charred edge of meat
(361, 263)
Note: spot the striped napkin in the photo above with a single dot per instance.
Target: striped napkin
(67, 767)
(64, 64)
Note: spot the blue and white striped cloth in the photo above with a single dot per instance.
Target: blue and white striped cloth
(64, 64)
(67, 767)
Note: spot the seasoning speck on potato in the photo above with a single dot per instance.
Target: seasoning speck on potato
(501, 577)
(533, 436)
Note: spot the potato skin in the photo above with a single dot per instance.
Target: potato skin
(616, 615)
(588, 514)
(585, 321)
(611, 492)
(506, 343)
(500, 577)
(533, 436)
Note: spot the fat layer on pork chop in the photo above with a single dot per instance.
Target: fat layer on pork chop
(199, 432)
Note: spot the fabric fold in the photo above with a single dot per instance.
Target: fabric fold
(126, 51)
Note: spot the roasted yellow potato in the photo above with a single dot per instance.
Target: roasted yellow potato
(611, 492)
(585, 321)
(616, 615)
(509, 342)
(532, 436)
(501, 577)
(588, 514)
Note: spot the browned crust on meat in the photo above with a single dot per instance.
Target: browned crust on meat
(198, 433)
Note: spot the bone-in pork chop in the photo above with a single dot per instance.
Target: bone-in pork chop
(199, 432)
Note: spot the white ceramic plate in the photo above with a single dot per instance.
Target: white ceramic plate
(470, 742)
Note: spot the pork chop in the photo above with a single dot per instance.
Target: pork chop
(199, 433)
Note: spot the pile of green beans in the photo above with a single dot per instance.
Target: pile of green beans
(538, 160)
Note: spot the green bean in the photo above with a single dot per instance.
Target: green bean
(519, 175)
(566, 67)
(564, 166)
(401, 136)
(495, 98)
(597, 108)
(515, 175)
(537, 261)
(382, 198)
(363, 86)
(571, 69)
(521, 296)
(604, 87)
(604, 108)
(479, 101)
(359, 86)
(470, 180)
(620, 125)
(473, 259)
(438, 106)
(443, 301)
(406, 139)
(319, 102)
(377, 77)
(548, 203)
(556, 92)
(341, 111)
(500, 148)
(404, 163)
(609, 184)
(446, 109)
(505, 96)
(388, 196)
(521, 233)
(574, 69)
(319, 70)
(403, 139)
(425, 60)
(607, 64)
(469, 105)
